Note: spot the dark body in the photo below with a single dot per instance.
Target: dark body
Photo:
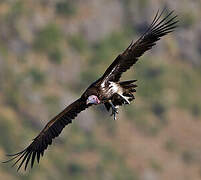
(116, 92)
(107, 90)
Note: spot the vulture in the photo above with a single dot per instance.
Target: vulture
(107, 90)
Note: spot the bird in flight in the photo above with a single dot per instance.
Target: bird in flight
(107, 90)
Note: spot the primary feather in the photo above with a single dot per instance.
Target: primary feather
(158, 28)
(52, 129)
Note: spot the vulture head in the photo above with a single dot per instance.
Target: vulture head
(93, 100)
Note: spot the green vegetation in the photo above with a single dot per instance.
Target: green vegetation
(36, 75)
(7, 139)
(104, 52)
(151, 84)
(48, 38)
(17, 8)
(111, 45)
(78, 42)
(66, 8)
(48, 41)
(188, 20)
(170, 145)
(156, 165)
(188, 157)
(55, 56)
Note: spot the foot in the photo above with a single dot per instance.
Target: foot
(114, 111)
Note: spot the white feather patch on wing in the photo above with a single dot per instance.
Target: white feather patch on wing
(103, 84)
(113, 87)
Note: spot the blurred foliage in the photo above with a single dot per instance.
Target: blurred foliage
(188, 20)
(36, 75)
(152, 84)
(6, 130)
(188, 157)
(104, 50)
(66, 8)
(48, 38)
(155, 165)
(55, 56)
(113, 44)
(170, 145)
(78, 42)
(17, 8)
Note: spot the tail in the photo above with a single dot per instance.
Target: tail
(128, 89)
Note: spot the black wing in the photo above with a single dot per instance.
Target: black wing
(51, 130)
(158, 28)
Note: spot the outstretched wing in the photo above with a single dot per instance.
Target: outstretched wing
(158, 28)
(51, 130)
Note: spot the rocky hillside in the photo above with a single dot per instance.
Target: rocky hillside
(50, 50)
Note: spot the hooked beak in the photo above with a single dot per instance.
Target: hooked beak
(88, 102)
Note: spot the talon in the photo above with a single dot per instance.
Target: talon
(115, 117)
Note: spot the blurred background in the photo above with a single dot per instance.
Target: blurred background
(51, 50)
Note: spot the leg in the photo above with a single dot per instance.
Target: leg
(114, 109)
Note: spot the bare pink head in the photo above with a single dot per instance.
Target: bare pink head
(93, 100)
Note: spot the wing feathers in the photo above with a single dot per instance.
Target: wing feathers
(154, 32)
(39, 144)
